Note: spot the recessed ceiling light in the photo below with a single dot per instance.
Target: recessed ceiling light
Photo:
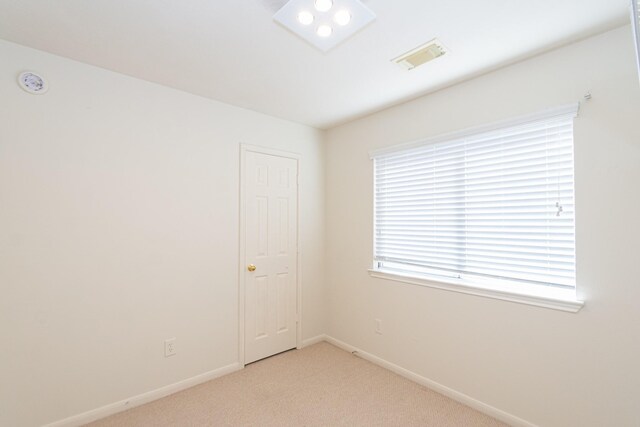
(305, 18)
(323, 5)
(342, 17)
(324, 31)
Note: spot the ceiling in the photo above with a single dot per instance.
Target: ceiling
(232, 50)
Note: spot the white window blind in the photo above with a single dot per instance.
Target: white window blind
(492, 204)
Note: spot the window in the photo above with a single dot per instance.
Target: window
(488, 209)
(635, 23)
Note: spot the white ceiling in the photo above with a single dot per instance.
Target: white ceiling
(232, 50)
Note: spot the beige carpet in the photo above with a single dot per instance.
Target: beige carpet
(320, 385)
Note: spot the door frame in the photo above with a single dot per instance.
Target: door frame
(244, 149)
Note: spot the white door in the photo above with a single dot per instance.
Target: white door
(270, 241)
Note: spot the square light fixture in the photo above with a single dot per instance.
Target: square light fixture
(324, 23)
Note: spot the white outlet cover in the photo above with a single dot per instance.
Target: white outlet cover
(378, 326)
(361, 16)
(170, 347)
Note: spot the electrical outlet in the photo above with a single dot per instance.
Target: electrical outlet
(170, 347)
(378, 326)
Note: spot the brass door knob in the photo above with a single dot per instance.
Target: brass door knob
(251, 267)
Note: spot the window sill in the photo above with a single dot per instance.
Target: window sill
(557, 300)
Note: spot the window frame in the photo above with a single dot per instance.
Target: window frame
(537, 295)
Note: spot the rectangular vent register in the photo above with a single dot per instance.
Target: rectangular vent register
(421, 55)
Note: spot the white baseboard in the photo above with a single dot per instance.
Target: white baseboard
(141, 399)
(435, 386)
(314, 340)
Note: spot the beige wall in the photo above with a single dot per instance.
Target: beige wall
(547, 367)
(119, 229)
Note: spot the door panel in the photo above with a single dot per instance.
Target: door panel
(270, 203)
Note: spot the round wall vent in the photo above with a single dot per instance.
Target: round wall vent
(32, 83)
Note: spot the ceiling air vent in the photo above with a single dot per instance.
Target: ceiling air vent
(421, 55)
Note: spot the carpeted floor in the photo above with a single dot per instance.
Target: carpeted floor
(320, 385)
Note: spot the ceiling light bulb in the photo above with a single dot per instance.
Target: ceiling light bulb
(324, 31)
(342, 17)
(323, 5)
(305, 18)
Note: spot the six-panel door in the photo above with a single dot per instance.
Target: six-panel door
(271, 246)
